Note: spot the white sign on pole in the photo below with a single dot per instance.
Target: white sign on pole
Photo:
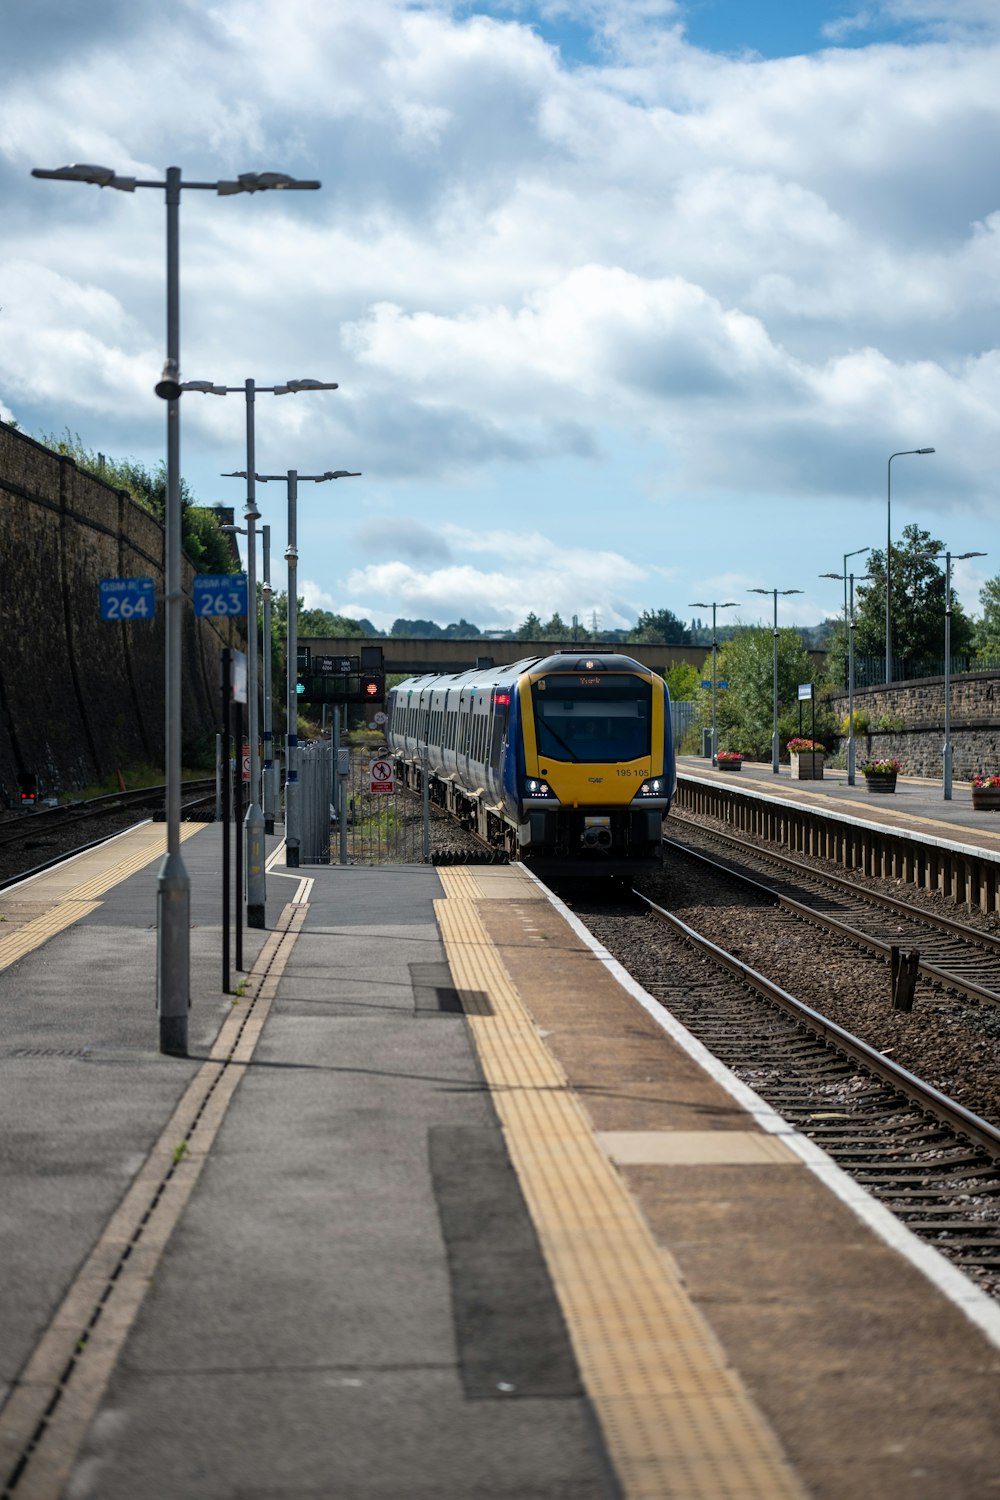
(381, 776)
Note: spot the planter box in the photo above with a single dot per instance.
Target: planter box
(729, 765)
(987, 800)
(807, 766)
(881, 781)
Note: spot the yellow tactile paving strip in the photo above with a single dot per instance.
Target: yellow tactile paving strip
(677, 1421)
(56, 899)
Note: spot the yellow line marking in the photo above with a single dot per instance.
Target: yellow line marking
(677, 1421)
(145, 1219)
(65, 902)
(33, 934)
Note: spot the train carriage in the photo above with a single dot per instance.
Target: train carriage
(564, 761)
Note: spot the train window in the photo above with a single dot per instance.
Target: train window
(604, 717)
(501, 708)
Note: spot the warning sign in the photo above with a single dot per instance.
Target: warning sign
(381, 776)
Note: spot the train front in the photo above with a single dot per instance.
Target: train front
(598, 771)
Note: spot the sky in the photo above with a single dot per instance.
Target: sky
(629, 303)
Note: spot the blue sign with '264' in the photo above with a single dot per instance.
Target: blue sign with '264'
(127, 599)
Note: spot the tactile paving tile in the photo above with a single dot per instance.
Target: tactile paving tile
(61, 898)
(676, 1419)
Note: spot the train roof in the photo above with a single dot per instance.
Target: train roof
(593, 660)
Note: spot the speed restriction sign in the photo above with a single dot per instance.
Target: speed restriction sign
(381, 776)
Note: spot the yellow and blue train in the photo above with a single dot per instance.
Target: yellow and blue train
(566, 761)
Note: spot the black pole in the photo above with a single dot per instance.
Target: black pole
(227, 789)
(238, 762)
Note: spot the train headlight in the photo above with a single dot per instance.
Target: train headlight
(652, 788)
(537, 789)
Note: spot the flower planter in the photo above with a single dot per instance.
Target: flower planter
(807, 766)
(881, 781)
(987, 799)
(729, 765)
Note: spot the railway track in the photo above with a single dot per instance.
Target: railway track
(929, 1159)
(34, 841)
(958, 955)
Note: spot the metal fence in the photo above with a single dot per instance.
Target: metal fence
(362, 818)
(315, 792)
(383, 822)
(682, 716)
(869, 671)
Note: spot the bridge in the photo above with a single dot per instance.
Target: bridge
(414, 655)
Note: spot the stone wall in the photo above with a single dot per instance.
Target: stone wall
(975, 723)
(80, 696)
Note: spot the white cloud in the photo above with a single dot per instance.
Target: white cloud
(761, 276)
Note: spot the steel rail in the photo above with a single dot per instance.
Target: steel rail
(931, 971)
(929, 1099)
(947, 925)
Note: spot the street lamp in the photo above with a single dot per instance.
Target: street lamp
(774, 732)
(947, 757)
(291, 478)
(851, 749)
(267, 735)
(255, 823)
(858, 552)
(905, 453)
(729, 604)
(173, 897)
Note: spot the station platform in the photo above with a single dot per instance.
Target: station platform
(917, 802)
(442, 1205)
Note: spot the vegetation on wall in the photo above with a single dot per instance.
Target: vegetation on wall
(207, 548)
(745, 709)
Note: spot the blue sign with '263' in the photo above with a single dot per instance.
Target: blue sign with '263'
(220, 594)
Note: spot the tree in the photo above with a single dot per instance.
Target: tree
(423, 629)
(988, 630)
(656, 627)
(530, 630)
(324, 625)
(745, 710)
(555, 630)
(917, 603)
(683, 682)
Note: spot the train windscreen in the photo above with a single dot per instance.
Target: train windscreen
(603, 717)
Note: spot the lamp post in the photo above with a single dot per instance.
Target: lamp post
(947, 757)
(958, 557)
(267, 733)
(774, 731)
(858, 552)
(698, 604)
(291, 478)
(905, 453)
(173, 897)
(255, 822)
(851, 748)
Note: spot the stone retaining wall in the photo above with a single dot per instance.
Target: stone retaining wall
(975, 723)
(80, 696)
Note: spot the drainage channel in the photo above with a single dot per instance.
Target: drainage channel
(40, 1431)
